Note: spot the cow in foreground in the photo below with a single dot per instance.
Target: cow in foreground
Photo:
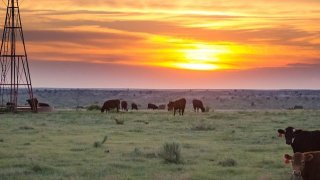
(198, 105)
(152, 106)
(124, 105)
(134, 106)
(111, 104)
(305, 166)
(179, 105)
(300, 140)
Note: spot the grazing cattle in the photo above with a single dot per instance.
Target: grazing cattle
(198, 105)
(152, 106)
(111, 104)
(44, 105)
(162, 106)
(301, 141)
(124, 105)
(179, 105)
(10, 104)
(296, 108)
(305, 166)
(134, 106)
(33, 103)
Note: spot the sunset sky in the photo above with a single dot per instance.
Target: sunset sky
(200, 44)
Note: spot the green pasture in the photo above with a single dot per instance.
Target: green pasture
(226, 145)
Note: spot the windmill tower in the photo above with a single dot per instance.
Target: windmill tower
(15, 80)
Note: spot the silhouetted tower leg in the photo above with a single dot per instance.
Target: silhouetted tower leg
(15, 74)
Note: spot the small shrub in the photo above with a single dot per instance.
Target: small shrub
(37, 168)
(171, 153)
(93, 108)
(98, 144)
(1, 140)
(119, 122)
(228, 163)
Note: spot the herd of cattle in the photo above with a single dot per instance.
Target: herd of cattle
(306, 148)
(305, 144)
(178, 105)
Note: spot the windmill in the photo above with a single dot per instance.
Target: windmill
(15, 79)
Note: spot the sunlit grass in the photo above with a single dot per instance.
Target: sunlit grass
(60, 145)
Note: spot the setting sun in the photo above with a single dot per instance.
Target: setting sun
(197, 66)
(202, 57)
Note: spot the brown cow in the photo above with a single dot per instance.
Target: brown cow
(124, 105)
(33, 103)
(134, 106)
(305, 166)
(197, 105)
(111, 104)
(177, 105)
(152, 106)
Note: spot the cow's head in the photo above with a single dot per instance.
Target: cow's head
(289, 134)
(298, 161)
(170, 106)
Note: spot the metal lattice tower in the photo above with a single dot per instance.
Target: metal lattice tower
(15, 73)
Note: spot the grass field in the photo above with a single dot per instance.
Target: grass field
(227, 145)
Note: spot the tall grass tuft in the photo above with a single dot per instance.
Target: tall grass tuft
(171, 153)
(118, 121)
(98, 144)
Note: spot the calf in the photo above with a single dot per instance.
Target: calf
(305, 166)
(301, 141)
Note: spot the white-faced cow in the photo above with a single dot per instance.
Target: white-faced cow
(300, 140)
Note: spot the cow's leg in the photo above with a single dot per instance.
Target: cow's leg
(174, 112)
(182, 111)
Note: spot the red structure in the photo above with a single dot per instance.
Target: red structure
(15, 82)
